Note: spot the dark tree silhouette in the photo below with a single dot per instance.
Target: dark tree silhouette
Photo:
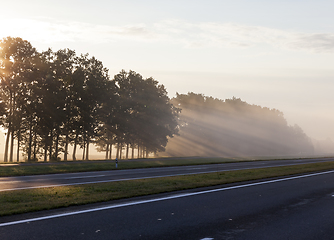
(141, 117)
(17, 67)
(51, 100)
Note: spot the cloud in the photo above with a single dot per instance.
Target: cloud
(186, 34)
(50, 30)
(318, 42)
(244, 36)
(227, 35)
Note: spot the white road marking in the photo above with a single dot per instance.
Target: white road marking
(160, 199)
(6, 182)
(35, 180)
(93, 176)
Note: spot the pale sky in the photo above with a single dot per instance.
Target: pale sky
(277, 54)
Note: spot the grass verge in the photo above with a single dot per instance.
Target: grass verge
(24, 169)
(22, 201)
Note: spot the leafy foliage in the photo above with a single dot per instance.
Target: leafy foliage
(51, 100)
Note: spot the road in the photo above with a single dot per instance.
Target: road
(52, 180)
(300, 207)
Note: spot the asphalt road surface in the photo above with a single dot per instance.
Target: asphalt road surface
(300, 207)
(52, 180)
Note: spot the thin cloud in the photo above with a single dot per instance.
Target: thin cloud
(226, 35)
(49, 30)
(186, 34)
(320, 42)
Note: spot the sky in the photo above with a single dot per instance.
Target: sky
(276, 54)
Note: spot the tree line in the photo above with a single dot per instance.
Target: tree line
(51, 100)
(234, 128)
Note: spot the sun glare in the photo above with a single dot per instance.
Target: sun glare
(28, 29)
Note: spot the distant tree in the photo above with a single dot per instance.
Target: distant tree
(232, 127)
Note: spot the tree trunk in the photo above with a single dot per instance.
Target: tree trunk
(18, 146)
(50, 147)
(45, 152)
(83, 150)
(133, 151)
(127, 151)
(110, 151)
(120, 152)
(66, 148)
(56, 147)
(30, 142)
(18, 139)
(117, 151)
(138, 153)
(87, 150)
(35, 146)
(107, 151)
(13, 106)
(46, 148)
(11, 147)
(7, 143)
(9, 129)
(75, 147)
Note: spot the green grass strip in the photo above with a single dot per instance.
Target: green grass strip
(22, 201)
(23, 169)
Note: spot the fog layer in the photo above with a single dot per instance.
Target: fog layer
(234, 128)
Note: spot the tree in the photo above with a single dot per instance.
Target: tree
(64, 64)
(145, 116)
(90, 94)
(17, 64)
(106, 136)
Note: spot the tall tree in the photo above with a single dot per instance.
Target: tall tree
(64, 67)
(90, 96)
(145, 116)
(17, 59)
